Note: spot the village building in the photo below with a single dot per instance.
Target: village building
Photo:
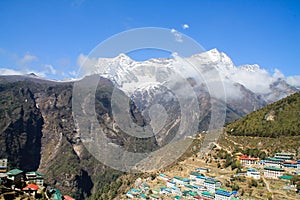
(193, 175)
(171, 184)
(154, 197)
(290, 164)
(223, 195)
(285, 178)
(180, 181)
(245, 160)
(200, 180)
(253, 173)
(165, 190)
(31, 189)
(155, 191)
(199, 188)
(273, 172)
(66, 197)
(188, 194)
(175, 190)
(15, 176)
(273, 162)
(212, 184)
(35, 177)
(284, 156)
(3, 165)
(207, 196)
(163, 177)
(203, 169)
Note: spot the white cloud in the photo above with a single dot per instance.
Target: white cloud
(5, 71)
(185, 26)
(27, 59)
(178, 36)
(257, 81)
(48, 69)
(293, 80)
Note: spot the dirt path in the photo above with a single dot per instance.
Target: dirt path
(267, 186)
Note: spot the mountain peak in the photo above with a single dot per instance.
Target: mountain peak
(123, 56)
(32, 74)
(215, 56)
(214, 50)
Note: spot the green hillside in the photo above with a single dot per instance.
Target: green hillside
(281, 118)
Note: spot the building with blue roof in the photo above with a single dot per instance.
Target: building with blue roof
(224, 195)
(253, 173)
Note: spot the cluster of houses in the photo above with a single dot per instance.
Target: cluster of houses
(196, 186)
(273, 167)
(199, 186)
(28, 183)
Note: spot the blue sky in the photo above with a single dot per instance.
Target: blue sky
(49, 36)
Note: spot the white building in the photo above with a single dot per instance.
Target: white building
(200, 180)
(285, 156)
(273, 172)
(3, 165)
(193, 175)
(212, 184)
(223, 195)
(253, 173)
(273, 162)
(245, 160)
(35, 177)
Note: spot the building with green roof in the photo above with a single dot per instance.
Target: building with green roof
(207, 195)
(273, 172)
(15, 175)
(35, 177)
(286, 177)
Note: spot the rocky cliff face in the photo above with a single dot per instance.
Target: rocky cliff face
(20, 126)
(37, 132)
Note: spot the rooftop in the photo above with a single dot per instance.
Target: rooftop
(286, 177)
(14, 172)
(68, 197)
(274, 169)
(31, 187)
(196, 174)
(274, 159)
(223, 193)
(244, 157)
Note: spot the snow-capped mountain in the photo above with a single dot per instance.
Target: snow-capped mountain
(209, 78)
(205, 68)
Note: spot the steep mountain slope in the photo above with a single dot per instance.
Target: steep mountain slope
(38, 133)
(20, 126)
(281, 118)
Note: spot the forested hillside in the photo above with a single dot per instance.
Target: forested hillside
(281, 118)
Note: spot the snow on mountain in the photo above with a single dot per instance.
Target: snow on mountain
(206, 68)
